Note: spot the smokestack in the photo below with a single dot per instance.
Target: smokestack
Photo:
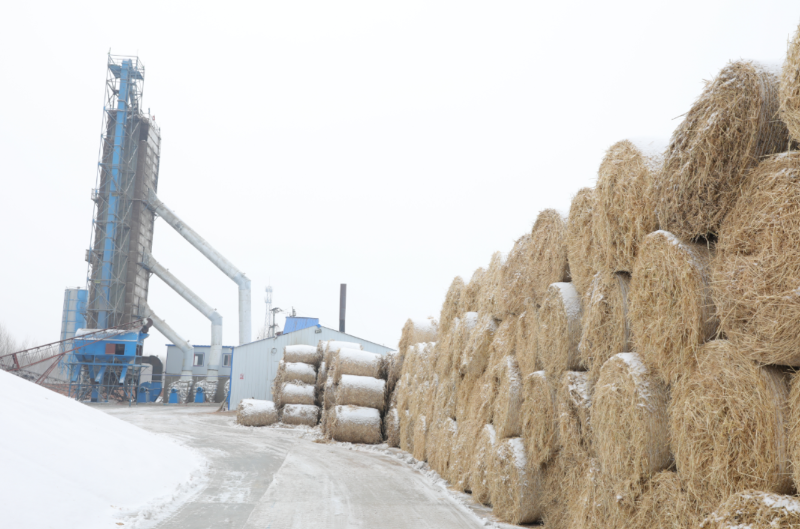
(342, 305)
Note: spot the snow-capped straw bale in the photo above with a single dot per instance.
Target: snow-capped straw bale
(453, 305)
(299, 372)
(560, 330)
(746, 447)
(573, 411)
(361, 391)
(253, 412)
(549, 260)
(481, 464)
(300, 414)
(539, 418)
(605, 329)
(472, 291)
(420, 438)
(671, 310)
(331, 348)
(418, 331)
(515, 487)
(624, 210)
(516, 285)
(527, 339)
(355, 424)
(475, 357)
(357, 362)
(506, 416)
(754, 509)
(294, 393)
(731, 126)
(306, 354)
(757, 267)
(391, 427)
(581, 246)
(491, 298)
(665, 503)
(630, 425)
(790, 88)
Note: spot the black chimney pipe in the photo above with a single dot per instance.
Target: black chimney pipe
(342, 305)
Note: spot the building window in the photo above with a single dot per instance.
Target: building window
(226, 360)
(198, 359)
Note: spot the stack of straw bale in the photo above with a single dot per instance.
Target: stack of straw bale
(296, 385)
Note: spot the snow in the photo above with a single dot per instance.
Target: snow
(310, 349)
(363, 383)
(69, 465)
(291, 391)
(777, 501)
(334, 346)
(518, 449)
(358, 415)
(305, 411)
(570, 299)
(299, 369)
(639, 373)
(358, 357)
(429, 324)
(255, 406)
(470, 320)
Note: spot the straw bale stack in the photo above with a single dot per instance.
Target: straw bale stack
(527, 340)
(539, 427)
(605, 324)
(253, 412)
(355, 424)
(420, 437)
(549, 260)
(491, 299)
(361, 391)
(560, 330)
(475, 357)
(515, 487)
(391, 427)
(573, 410)
(754, 509)
(581, 245)
(473, 291)
(789, 92)
(671, 310)
(746, 447)
(356, 362)
(294, 393)
(481, 465)
(732, 125)
(508, 398)
(624, 210)
(630, 425)
(300, 414)
(757, 266)
(665, 503)
(516, 285)
(306, 354)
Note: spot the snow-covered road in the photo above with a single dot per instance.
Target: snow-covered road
(269, 478)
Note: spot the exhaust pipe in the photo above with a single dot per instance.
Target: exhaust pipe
(342, 305)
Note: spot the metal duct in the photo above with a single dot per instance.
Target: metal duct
(215, 257)
(174, 337)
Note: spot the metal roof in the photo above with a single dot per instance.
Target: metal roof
(297, 323)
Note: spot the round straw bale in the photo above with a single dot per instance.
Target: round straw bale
(573, 409)
(472, 292)
(605, 329)
(757, 266)
(356, 424)
(753, 509)
(361, 391)
(560, 330)
(671, 310)
(418, 331)
(294, 393)
(299, 372)
(789, 92)
(623, 202)
(491, 299)
(453, 305)
(594, 504)
(506, 415)
(252, 412)
(629, 422)
(332, 347)
(516, 285)
(439, 444)
(527, 340)
(515, 487)
(732, 125)
(306, 354)
(462, 454)
(481, 463)
(322, 377)
(476, 354)
(539, 418)
(665, 504)
(329, 395)
(581, 245)
(357, 362)
(420, 437)
(549, 260)
(446, 395)
(391, 427)
(406, 431)
(729, 422)
(300, 414)
(563, 481)
(504, 342)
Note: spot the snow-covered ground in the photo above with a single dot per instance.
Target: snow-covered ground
(64, 464)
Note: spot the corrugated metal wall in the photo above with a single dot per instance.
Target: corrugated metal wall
(255, 364)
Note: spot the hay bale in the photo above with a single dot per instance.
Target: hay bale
(418, 331)
(294, 393)
(476, 353)
(361, 391)
(331, 348)
(453, 305)
(527, 340)
(508, 398)
(539, 427)
(462, 455)
(624, 210)
(629, 423)
(329, 395)
(594, 504)
(665, 503)
(300, 414)
(356, 362)
(605, 326)
(391, 427)
(504, 341)
(573, 416)
(420, 437)
(789, 92)
(756, 271)
(549, 259)
(439, 445)
(481, 465)
(472, 292)
(560, 330)
(753, 509)
(305, 354)
(299, 372)
(729, 422)
(671, 310)
(516, 284)
(355, 424)
(732, 125)
(491, 298)
(322, 377)
(581, 245)
(406, 431)
(253, 412)
(515, 487)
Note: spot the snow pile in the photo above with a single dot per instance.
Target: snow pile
(69, 465)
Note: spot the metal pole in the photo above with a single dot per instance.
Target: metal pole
(342, 305)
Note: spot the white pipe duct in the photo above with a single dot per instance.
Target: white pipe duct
(174, 337)
(194, 300)
(212, 255)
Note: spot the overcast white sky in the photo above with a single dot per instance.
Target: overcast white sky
(389, 146)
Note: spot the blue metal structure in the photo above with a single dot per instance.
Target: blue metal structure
(73, 316)
(294, 323)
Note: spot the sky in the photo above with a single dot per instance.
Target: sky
(387, 145)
